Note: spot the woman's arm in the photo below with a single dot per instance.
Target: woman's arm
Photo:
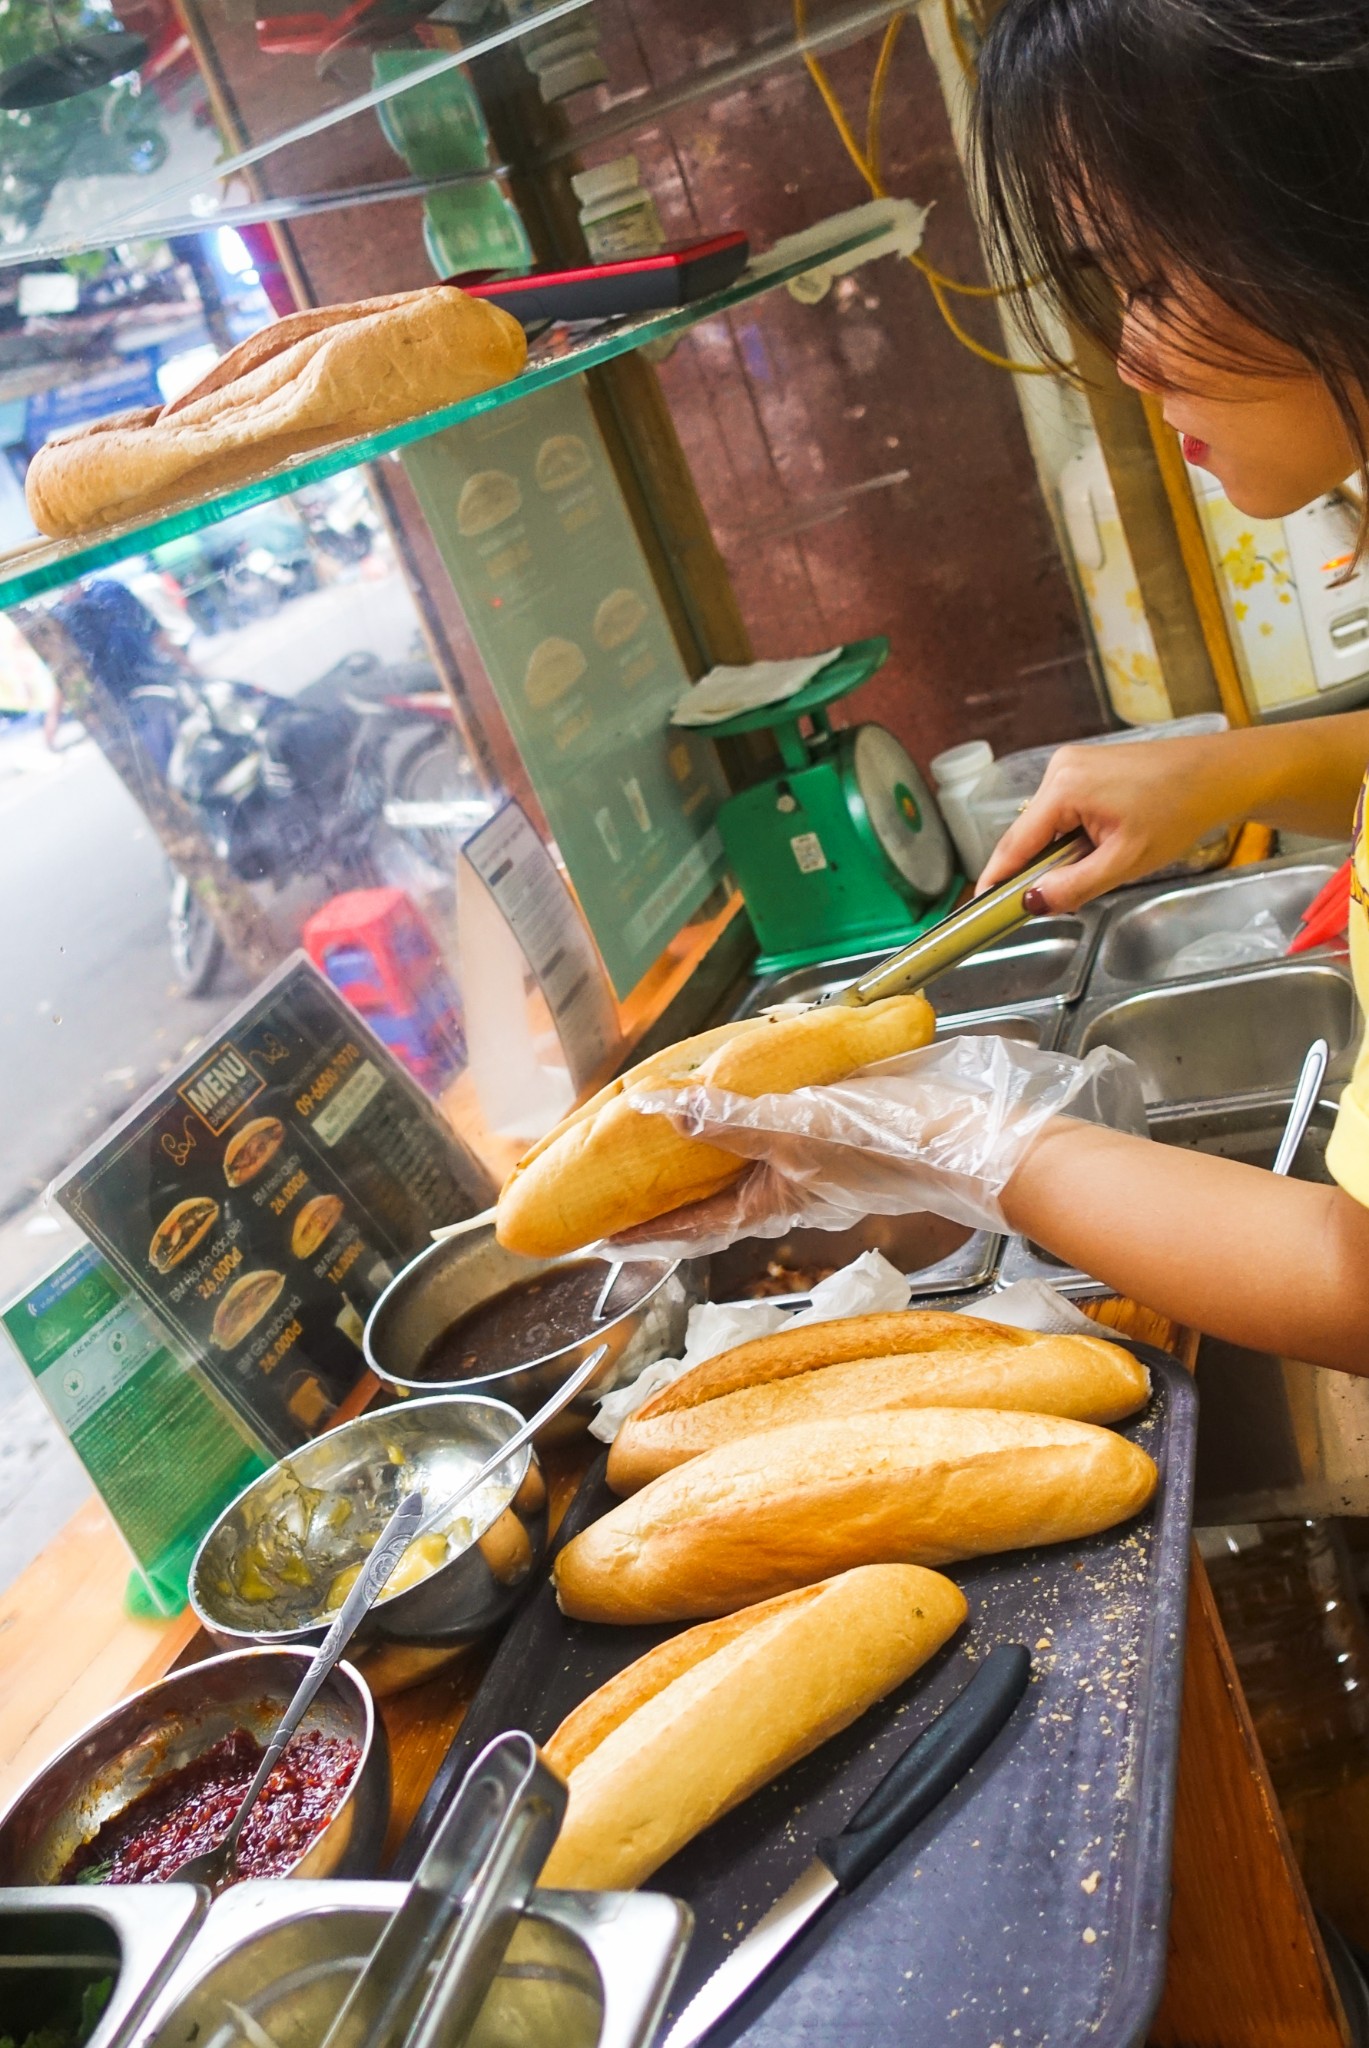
(1277, 1265)
(1146, 804)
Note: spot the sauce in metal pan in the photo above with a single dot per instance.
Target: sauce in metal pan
(190, 1810)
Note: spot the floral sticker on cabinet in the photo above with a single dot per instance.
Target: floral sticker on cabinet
(1255, 575)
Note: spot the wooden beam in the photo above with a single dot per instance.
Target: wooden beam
(1147, 517)
(1197, 560)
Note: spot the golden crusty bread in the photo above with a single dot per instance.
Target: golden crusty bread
(914, 1358)
(697, 1725)
(314, 378)
(607, 1167)
(787, 1506)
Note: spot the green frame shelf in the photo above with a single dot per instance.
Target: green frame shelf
(49, 565)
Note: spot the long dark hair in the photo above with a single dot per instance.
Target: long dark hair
(1224, 140)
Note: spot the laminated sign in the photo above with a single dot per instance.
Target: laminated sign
(260, 1199)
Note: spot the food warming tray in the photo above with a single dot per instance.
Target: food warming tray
(1031, 1907)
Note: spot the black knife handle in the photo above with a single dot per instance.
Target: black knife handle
(929, 1766)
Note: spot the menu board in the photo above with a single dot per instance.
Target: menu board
(164, 1456)
(260, 1199)
(533, 530)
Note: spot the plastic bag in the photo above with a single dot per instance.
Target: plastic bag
(942, 1129)
(1261, 938)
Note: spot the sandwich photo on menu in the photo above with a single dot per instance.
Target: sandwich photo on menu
(180, 1231)
(255, 1146)
(243, 1307)
(315, 1223)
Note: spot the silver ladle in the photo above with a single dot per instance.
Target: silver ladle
(1304, 1102)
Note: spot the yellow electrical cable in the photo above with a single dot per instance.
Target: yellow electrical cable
(877, 85)
(864, 162)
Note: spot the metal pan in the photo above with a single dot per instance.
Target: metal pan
(975, 924)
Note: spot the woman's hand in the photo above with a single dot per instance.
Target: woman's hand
(1143, 805)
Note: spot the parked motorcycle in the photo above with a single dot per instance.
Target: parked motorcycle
(356, 780)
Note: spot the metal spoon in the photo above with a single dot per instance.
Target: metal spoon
(604, 1292)
(214, 1867)
(548, 1412)
(1304, 1102)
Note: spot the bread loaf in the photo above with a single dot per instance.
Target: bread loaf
(787, 1506)
(319, 376)
(607, 1167)
(698, 1724)
(917, 1358)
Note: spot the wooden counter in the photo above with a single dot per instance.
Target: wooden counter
(1246, 1965)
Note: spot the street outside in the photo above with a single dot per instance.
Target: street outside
(90, 1012)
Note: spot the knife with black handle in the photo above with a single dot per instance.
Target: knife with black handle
(923, 1775)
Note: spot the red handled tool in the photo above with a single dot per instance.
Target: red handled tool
(1326, 916)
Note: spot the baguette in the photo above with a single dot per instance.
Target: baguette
(916, 1358)
(778, 1510)
(697, 1725)
(607, 1168)
(319, 376)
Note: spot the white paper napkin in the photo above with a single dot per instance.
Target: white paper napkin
(868, 1286)
(724, 692)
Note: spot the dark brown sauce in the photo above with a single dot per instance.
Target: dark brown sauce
(531, 1320)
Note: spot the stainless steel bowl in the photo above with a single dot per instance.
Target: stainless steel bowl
(169, 1725)
(584, 1969)
(430, 1445)
(450, 1279)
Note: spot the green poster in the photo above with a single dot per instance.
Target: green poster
(531, 525)
(163, 1454)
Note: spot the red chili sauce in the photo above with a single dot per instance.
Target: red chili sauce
(189, 1811)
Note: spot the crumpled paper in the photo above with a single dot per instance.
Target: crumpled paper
(869, 1286)
(1032, 1305)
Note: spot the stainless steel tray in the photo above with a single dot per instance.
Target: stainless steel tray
(585, 1970)
(1046, 961)
(1206, 1040)
(142, 1930)
(1143, 928)
(1244, 1127)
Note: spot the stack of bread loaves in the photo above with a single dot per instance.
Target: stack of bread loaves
(798, 1488)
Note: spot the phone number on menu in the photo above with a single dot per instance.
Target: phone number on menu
(323, 1084)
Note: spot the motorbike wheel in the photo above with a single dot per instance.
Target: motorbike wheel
(196, 947)
(431, 770)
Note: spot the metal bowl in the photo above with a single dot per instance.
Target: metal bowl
(430, 1445)
(450, 1279)
(168, 1725)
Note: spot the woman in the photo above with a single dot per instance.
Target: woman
(1188, 182)
(1189, 179)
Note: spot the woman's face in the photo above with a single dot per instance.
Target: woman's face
(1249, 409)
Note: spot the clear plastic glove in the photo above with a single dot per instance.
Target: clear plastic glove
(942, 1129)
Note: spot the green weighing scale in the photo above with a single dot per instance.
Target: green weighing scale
(844, 850)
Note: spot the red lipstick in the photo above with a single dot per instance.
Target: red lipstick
(1195, 451)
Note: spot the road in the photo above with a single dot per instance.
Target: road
(90, 1014)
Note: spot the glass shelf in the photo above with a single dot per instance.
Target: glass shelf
(141, 157)
(48, 565)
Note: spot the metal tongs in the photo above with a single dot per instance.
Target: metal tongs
(423, 1984)
(989, 917)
